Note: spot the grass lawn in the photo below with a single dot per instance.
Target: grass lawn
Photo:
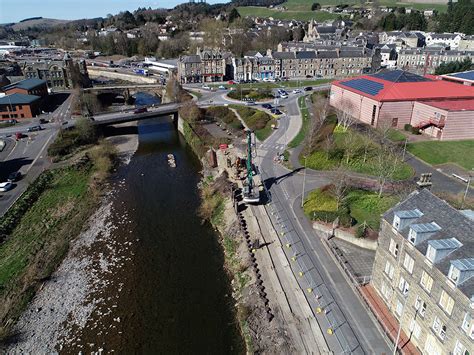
(304, 128)
(41, 238)
(362, 160)
(396, 136)
(258, 94)
(435, 152)
(258, 121)
(359, 206)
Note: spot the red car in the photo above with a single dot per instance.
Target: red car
(232, 82)
(18, 136)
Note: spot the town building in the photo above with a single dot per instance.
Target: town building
(450, 40)
(424, 273)
(31, 86)
(426, 60)
(439, 108)
(205, 66)
(19, 106)
(466, 43)
(58, 74)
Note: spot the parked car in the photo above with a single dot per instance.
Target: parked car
(222, 87)
(276, 111)
(309, 76)
(308, 88)
(5, 186)
(15, 176)
(43, 120)
(249, 103)
(140, 110)
(297, 91)
(34, 128)
(12, 121)
(232, 82)
(284, 96)
(18, 136)
(267, 106)
(206, 87)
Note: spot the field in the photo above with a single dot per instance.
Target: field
(301, 9)
(435, 153)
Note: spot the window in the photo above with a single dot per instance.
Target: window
(386, 290)
(446, 302)
(420, 306)
(389, 269)
(412, 236)
(460, 349)
(399, 308)
(426, 281)
(408, 263)
(431, 253)
(439, 328)
(466, 323)
(393, 248)
(394, 122)
(415, 329)
(403, 285)
(396, 222)
(374, 111)
(454, 274)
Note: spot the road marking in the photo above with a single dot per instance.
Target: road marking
(14, 146)
(40, 153)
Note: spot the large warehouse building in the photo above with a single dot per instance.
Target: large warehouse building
(441, 109)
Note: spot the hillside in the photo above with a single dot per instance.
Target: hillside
(38, 22)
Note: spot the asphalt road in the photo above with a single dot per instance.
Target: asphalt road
(29, 154)
(354, 329)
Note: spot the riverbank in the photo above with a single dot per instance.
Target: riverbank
(67, 297)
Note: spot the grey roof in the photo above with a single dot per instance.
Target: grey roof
(327, 54)
(18, 99)
(453, 223)
(326, 29)
(306, 55)
(283, 55)
(464, 264)
(190, 59)
(451, 243)
(426, 227)
(409, 214)
(27, 84)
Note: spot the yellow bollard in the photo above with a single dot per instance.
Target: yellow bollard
(301, 273)
(293, 258)
(318, 310)
(330, 331)
(282, 233)
(309, 290)
(253, 251)
(288, 245)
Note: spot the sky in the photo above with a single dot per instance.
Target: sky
(16, 10)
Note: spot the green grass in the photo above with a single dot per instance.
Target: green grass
(359, 206)
(328, 159)
(435, 152)
(4, 124)
(396, 136)
(304, 127)
(258, 121)
(301, 9)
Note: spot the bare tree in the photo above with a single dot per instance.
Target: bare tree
(351, 144)
(344, 114)
(327, 144)
(320, 110)
(173, 89)
(384, 127)
(340, 186)
(386, 165)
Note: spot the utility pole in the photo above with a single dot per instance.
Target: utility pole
(404, 148)
(467, 190)
(304, 182)
(400, 324)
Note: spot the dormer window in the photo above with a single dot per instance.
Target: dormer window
(454, 274)
(420, 232)
(461, 270)
(412, 236)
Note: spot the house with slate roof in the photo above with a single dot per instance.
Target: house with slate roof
(424, 273)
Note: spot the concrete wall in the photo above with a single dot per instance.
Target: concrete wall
(328, 232)
(95, 72)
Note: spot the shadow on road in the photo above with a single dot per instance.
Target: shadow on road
(275, 180)
(12, 165)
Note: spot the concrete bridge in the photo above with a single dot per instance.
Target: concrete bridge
(126, 91)
(130, 115)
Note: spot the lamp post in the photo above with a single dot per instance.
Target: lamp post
(400, 325)
(304, 182)
(467, 188)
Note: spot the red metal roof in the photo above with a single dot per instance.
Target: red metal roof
(452, 105)
(413, 91)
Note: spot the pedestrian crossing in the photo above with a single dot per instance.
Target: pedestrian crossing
(269, 146)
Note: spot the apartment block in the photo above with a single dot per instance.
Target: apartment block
(424, 273)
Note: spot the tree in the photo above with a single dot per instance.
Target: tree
(386, 164)
(351, 144)
(190, 112)
(320, 108)
(233, 15)
(454, 67)
(86, 131)
(173, 90)
(344, 116)
(339, 186)
(213, 33)
(315, 6)
(90, 104)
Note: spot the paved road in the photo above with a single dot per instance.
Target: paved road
(354, 329)
(28, 155)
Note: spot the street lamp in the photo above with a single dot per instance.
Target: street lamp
(400, 324)
(467, 188)
(304, 182)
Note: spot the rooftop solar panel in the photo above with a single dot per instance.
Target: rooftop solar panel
(400, 76)
(469, 75)
(440, 244)
(365, 85)
(464, 264)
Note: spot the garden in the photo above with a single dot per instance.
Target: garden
(258, 121)
(257, 94)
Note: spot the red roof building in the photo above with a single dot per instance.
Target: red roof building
(439, 108)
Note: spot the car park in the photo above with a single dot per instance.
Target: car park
(15, 176)
(6, 186)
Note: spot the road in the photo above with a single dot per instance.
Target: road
(354, 329)
(29, 154)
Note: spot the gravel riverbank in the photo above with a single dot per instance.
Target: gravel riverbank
(76, 294)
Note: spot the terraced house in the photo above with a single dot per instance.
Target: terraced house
(205, 66)
(424, 273)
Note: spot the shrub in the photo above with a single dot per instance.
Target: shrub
(407, 127)
(415, 130)
(361, 231)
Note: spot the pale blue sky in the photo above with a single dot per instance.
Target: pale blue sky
(16, 10)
